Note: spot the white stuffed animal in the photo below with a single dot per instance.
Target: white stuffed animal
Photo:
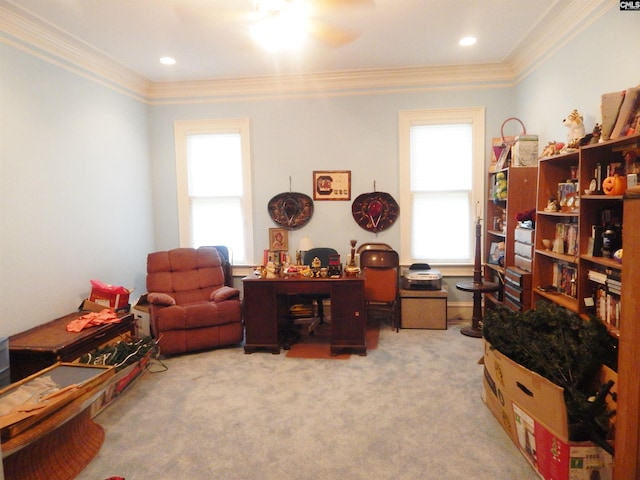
(574, 123)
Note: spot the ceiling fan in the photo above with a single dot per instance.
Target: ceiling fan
(283, 24)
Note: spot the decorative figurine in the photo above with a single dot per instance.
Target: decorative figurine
(352, 268)
(574, 122)
(552, 148)
(552, 205)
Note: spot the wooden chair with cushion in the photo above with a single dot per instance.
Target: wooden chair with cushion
(191, 307)
(381, 269)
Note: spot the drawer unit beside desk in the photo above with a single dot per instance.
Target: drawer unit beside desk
(348, 318)
(423, 309)
(260, 317)
(42, 346)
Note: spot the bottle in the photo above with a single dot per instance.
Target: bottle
(608, 242)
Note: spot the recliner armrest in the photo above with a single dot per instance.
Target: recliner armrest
(224, 293)
(163, 299)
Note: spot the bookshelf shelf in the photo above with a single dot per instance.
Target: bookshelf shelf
(565, 301)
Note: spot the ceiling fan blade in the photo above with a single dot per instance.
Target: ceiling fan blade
(332, 36)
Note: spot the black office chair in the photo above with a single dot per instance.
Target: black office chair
(323, 255)
(227, 265)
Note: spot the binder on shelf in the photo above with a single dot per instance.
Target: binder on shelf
(628, 110)
(610, 107)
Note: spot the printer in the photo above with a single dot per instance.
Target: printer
(420, 276)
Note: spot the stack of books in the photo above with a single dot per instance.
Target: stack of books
(606, 295)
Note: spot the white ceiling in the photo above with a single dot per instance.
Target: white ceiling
(210, 40)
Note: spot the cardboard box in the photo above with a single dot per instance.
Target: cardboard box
(556, 459)
(525, 235)
(525, 151)
(142, 318)
(518, 277)
(423, 309)
(532, 411)
(523, 262)
(517, 295)
(523, 249)
(109, 299)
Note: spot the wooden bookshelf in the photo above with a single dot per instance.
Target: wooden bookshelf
(594, 211)
(627, 442)
(520, 197)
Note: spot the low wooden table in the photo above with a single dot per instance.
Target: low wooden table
(42, 346)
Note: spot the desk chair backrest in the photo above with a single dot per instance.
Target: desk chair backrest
(380, 268)
(373, 246)
(322, 253)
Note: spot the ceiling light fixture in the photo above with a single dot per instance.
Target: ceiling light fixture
(167, 61)
(280, 25)
(467, 41)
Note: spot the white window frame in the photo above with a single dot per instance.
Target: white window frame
(184, 128)
(408, 118)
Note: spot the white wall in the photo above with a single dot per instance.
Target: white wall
(602, 58)
(75, 191)
(294, 137)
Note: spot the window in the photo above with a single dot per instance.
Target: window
(214, 185)
(441, 184)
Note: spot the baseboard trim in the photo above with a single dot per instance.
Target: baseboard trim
(462, 311)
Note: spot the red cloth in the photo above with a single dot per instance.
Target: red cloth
(92, 319)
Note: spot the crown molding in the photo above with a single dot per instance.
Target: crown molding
(340, 83)
(540, 44)
(43, 40)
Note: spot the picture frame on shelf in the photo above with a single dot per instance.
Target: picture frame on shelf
(332, 185)
(278, 239)
(496, 253)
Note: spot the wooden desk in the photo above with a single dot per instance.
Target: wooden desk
(39, 347)
(265, 309)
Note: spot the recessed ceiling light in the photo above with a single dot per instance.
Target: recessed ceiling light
(167, 61)
(467, 41)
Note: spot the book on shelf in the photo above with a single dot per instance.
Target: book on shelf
(628, 111)
(609, 279)
(566, 238)
(608, 306)
(614, 282)
(565, 278)
(598, 277)
(610, 107)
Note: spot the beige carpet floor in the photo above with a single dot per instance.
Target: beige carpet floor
(410, 409)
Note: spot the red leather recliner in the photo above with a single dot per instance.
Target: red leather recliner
(191, 307)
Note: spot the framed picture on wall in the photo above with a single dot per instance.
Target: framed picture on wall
(278, 239)
(332, 185)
